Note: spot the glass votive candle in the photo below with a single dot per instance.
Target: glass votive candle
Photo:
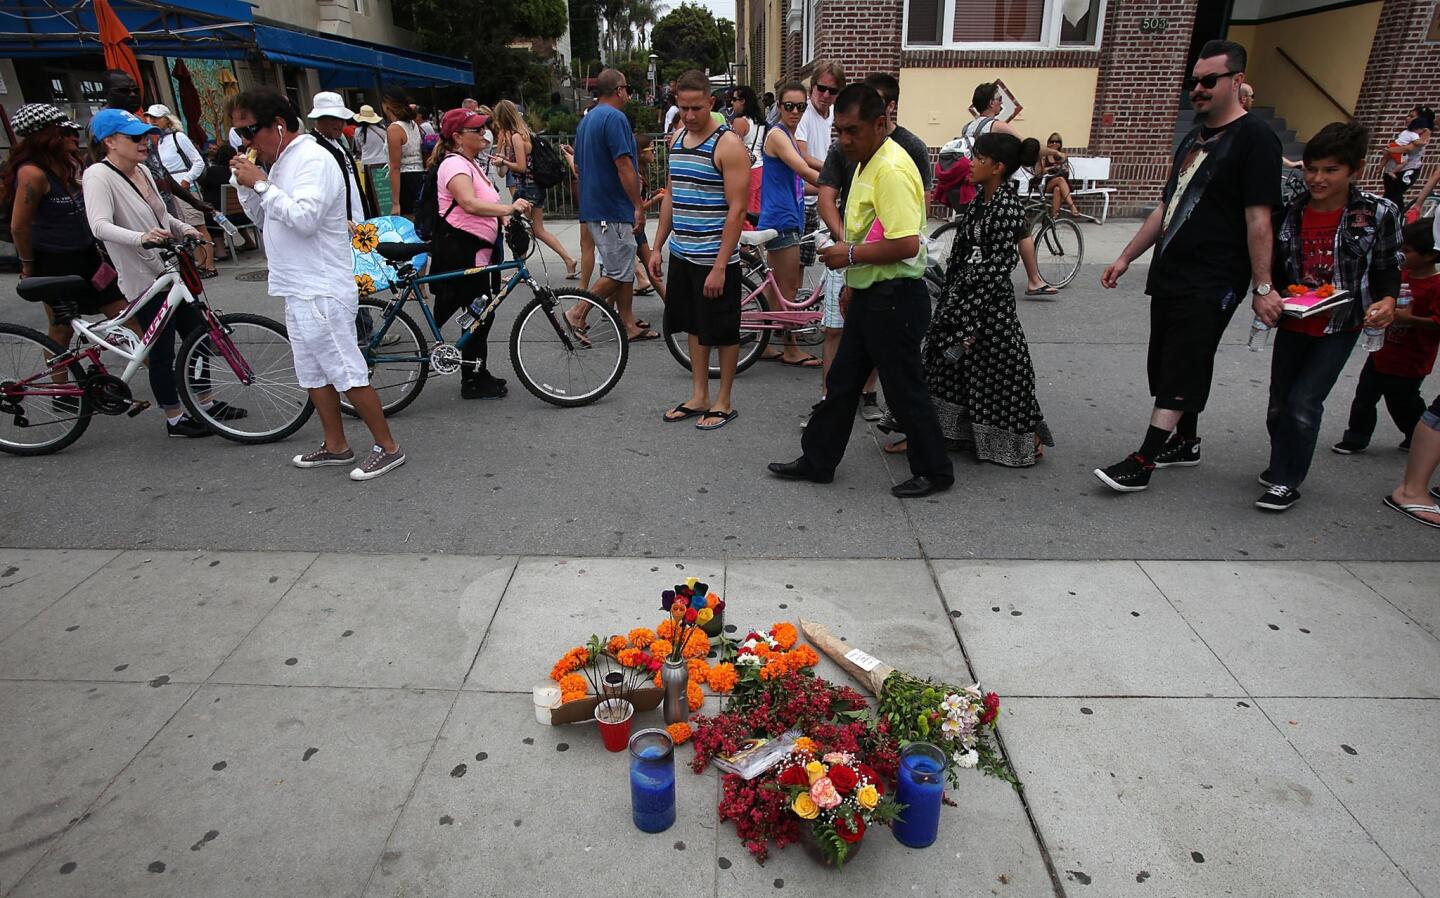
(920, 786)
(652, 780)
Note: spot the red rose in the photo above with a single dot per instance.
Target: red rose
(691, 615)
(851, 829)
(793, 776)
(869, 773)
(843, 778)
(991, 703)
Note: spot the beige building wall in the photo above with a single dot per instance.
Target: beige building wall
(774, 40)
(934, 103)
(1332, 46)
(374, 24)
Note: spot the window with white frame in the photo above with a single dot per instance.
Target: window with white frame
(359, 6)
(810, 29)
(1003, 24)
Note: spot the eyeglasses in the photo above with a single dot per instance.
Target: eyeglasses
(139, 138)
(794, 107)
(624, 87)
(471, 131)
(1209, 81)
(1053, 143)
(826, 89)
(248, 132)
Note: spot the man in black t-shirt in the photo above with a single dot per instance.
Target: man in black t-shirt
(1212, 238)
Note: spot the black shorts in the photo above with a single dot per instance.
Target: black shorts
(411, 183)
(715, 322)
(85, 301)
(1185, 331)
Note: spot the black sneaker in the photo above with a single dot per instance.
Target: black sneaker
(224, 411)
(1129, 476)
(1347, 447)
(1278, 498)
(1179, 453)
(870, 407)
(187, 427)
(483, 387)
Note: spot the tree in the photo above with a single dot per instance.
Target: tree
(584, 30)
(689, 32)
(479, 30)
(643, 16)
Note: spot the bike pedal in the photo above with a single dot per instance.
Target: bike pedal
(136, 408)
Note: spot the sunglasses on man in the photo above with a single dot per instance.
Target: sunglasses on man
(1208, 81)
(248, 132)
(794, 107)
(826, 89)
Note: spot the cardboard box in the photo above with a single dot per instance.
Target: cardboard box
(582, 710)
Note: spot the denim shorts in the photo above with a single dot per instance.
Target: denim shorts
(1431, 418)
(783, 240)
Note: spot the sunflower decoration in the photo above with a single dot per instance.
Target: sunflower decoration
(365, 284)
(366, 238)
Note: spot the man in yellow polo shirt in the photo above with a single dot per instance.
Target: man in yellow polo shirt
(886, 305)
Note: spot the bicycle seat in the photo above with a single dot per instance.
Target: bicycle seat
(401, 252)
(755, 238)
(49, 289)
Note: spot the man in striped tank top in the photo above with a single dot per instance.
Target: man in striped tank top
(701, 217)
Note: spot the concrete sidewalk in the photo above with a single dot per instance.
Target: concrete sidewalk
(301, 724)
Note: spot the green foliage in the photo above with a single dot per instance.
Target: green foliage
(727, 37)
(513, 74)
(562, 123)
(670, 71)
(910, 705)
(831, 845)
(539, 18)
(584, 30)
(690, 32)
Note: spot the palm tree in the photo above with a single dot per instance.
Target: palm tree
(643, 15)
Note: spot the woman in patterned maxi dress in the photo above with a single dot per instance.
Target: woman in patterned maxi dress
(976, 360)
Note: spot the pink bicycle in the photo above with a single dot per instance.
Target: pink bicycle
(758, 321)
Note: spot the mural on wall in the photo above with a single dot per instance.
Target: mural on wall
(201, 86)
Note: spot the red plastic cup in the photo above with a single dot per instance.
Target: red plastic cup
(614, 717)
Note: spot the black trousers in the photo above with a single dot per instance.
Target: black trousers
(1402, 400)
(883, 329)
(455, 249)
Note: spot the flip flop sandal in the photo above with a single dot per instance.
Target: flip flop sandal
(725, 418)
(1411, 511)
(643, 325)
(685, 412)
(1046, 290)
(573, 275)
(899, 447)
(643, 336)
(644, 291)
(803, 363)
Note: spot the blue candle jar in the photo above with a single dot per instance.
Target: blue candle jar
(652, 780)
(920, 787)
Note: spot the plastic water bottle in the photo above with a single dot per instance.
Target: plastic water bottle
(226, 224)
(1372, 338)
(1259, 336)
(475, 310)
(958, 351)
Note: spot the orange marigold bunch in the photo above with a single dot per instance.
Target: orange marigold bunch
(641, 637)
(697, 645)
(661, 648)
(572, 687)
(784, 634)
(615, 644)
(804, 657)
(694, 696)
(699, 671)
(679, 732)
(723, 678)
(666, 630)
(659, 679)
(570, 662)
(805, 744)
(629, 657)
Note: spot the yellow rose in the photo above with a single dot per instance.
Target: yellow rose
(814, 770)
(703, 616)
(691, 581)
(805, 807)
(867, 797)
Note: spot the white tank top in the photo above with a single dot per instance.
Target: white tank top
(410, 157)
(755, 142)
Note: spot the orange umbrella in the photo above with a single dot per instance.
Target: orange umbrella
(113, 35)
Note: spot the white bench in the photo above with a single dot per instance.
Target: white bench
(1085, 173)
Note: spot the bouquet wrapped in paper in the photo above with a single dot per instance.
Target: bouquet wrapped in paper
(959, 719)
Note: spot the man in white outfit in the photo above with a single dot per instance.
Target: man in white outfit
(300, 208)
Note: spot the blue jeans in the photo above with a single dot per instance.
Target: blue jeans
(1303, 370)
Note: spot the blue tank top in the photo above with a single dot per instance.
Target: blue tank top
(697, 201)
(782, 193)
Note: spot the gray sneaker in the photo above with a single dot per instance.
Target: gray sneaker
(321, 457)
(376, 463)
(870, 407)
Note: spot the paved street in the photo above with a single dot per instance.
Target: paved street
(223, 676)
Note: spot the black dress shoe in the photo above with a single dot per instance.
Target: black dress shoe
(916, 487)
(799, 469)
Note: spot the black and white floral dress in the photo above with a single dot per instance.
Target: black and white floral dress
(977, 363)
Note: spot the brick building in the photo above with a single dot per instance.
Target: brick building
(1106, 74)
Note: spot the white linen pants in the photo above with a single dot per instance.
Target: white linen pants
(323, 339)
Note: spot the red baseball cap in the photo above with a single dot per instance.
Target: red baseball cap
(457, 119)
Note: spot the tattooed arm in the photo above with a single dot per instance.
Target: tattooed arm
(31, 185)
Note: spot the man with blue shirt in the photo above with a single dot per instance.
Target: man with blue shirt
(610, 203)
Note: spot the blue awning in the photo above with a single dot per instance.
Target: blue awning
(218, 29)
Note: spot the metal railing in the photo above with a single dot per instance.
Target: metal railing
(560, 200)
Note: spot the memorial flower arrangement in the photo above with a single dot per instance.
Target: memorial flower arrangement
(958, 719)
(836, 795)
(613, 667)
(763, 657)
(691, 605)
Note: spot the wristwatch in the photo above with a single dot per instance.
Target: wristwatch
(1263, 289)
(262, 186)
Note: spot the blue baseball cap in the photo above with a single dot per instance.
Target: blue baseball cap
(117, 121)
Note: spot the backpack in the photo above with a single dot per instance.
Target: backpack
(427, 144)
(427, 209)
(952, 170)
(547, 169)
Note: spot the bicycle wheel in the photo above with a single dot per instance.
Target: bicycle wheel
(399, 366)
(941, 240)
(35, 425)
(559, 364)
(752, 341)
(1059, 250)
(274, 403)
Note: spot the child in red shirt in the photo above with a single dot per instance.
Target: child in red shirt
(1397, 370)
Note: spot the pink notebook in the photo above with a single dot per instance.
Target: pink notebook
(1307, 304)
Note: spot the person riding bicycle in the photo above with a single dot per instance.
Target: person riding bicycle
(125, 211)
(466, 234)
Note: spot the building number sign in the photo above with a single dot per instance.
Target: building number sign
(1153, 24)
